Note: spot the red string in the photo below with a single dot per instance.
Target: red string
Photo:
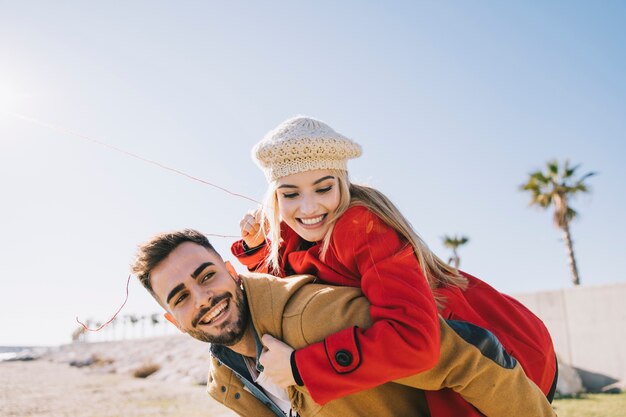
(126, 299)
(141, 158)
(132, 155)
(225, 236)
(112, 318)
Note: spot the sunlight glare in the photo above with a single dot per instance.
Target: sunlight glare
(10, 97)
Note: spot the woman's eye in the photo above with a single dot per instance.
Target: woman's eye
(325, 189)
(290, 195)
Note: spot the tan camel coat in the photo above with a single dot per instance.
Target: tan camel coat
(300, 312)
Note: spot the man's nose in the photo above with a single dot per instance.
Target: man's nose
(202, 298)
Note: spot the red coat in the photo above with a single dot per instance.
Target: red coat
(364, 252)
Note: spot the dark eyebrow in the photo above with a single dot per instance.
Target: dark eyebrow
(175, 291)
(327, 177)
(201, 268)
(194, 275)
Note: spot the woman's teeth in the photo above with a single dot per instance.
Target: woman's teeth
(312, 220)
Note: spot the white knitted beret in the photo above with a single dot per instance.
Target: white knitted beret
(302, 144)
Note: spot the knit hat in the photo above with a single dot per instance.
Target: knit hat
(302, 144)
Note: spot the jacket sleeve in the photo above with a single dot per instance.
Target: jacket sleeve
(475, 365)
(497, 388)
(253, 259)
(404, 336)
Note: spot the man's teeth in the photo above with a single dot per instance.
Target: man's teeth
(216, 312)
(313, 220)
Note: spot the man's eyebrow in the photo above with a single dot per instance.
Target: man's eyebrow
(201, 268)
(327, 177)
(175, 291)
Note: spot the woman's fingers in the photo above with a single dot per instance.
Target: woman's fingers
(251, 228)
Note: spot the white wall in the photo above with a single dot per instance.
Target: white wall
(587, 324)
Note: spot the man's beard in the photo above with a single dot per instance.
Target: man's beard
(232, 332)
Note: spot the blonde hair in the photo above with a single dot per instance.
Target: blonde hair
(437, 272)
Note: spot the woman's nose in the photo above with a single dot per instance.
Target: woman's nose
(309, 205)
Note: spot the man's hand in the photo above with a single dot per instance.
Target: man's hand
(276, 361)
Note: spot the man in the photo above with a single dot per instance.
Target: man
(205, 298)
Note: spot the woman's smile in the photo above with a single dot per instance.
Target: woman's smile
(311, 221)
(307, 202)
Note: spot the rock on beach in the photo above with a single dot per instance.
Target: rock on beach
(176, 358)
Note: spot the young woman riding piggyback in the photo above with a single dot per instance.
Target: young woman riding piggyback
(319, 223)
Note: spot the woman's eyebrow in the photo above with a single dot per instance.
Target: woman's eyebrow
(327, 177)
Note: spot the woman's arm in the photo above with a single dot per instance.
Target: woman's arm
(251, 258)
(471, 362)
(404, 336)
(252, 249)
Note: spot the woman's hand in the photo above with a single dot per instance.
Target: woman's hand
(276, 361)
(250, 226)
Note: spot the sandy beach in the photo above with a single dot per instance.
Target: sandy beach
(47, 389)
(97, 380)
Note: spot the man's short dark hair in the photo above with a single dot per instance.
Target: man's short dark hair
(154, 251)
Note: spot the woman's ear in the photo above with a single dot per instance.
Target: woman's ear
(172, 320)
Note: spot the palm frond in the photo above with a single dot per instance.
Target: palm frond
(555, 186)
(455, 241)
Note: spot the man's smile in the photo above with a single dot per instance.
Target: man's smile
(215, 313)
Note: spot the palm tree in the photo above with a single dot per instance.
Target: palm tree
(97, 326)
(556, 186)
(133, 319)
(78, 334)
(453, 242)
(154, 319)
(112, 333)
(85, 335)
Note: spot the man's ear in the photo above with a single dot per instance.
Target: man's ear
(233, 273)
(172, 320)
(231, 270)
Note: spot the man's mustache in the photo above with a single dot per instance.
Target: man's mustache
(205, 310)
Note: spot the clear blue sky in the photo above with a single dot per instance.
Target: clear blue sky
(454, 104)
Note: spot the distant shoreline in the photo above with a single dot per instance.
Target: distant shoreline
(8, 353)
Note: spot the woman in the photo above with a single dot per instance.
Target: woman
(347, 234)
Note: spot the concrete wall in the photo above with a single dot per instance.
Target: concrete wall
(587, 324)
